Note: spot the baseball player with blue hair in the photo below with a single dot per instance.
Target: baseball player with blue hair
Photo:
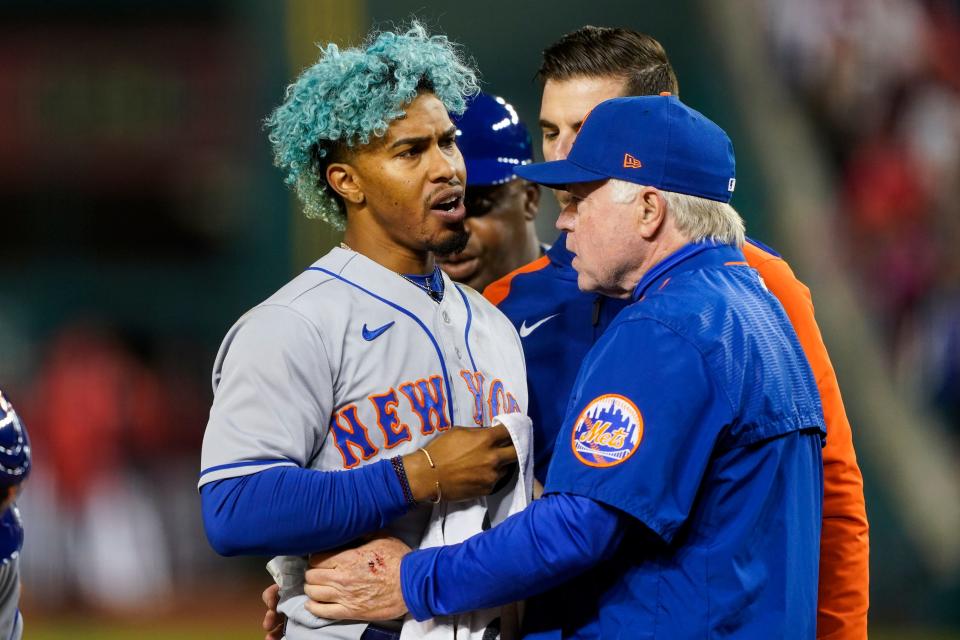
(500, 212)
(15, 462)
(365, 361)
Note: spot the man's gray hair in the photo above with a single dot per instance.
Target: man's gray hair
(696, 218)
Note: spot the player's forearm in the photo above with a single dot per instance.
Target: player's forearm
(551, 541)
(294, 511)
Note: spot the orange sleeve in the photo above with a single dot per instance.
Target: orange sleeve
(498, 290)
(843, 597)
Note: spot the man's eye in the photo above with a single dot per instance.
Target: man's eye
(479, 207)
(550, 135)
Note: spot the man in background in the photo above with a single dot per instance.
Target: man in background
(501, 207)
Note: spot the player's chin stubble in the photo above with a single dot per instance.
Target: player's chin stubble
(453, 243)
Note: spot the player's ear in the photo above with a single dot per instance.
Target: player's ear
(650, 209)
(531, 200)
(343, 179)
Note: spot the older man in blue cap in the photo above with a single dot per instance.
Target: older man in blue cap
(684, 496)
(501, 207)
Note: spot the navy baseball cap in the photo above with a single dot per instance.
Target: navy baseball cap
(655, 141)
(492, 140)
(14, 446)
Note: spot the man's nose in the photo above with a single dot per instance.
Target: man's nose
(565, 220)
(443, 166)
(564, 145)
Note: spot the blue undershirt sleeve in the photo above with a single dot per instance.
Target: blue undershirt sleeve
(548, 543)
(295, 511)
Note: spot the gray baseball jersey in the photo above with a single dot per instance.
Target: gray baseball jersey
(350, 363)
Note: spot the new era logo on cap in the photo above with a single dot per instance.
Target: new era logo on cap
(629, 162)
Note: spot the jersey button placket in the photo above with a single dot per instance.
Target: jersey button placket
(449, 338)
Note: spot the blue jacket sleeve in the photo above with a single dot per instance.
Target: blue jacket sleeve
(295, 511)
(549, 542)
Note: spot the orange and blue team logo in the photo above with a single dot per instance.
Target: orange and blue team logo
(608, 431)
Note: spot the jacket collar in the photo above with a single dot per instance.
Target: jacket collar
(690, 257)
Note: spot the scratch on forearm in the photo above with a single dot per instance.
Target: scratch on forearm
(376, 561)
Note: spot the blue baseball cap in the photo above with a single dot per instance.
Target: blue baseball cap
(655, 141)
(492, 140)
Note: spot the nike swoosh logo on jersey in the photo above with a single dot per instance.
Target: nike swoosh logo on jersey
(525, 330)
(369, 335)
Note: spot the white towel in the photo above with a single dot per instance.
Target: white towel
(453, 522)
(450, 523)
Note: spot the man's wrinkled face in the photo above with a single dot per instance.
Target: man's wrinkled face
(601, 234)
(497, 220)
(563, 108)
(413, 179)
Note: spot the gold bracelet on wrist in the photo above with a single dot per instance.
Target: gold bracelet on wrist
(437, 481)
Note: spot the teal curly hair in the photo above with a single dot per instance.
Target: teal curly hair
(351, 95)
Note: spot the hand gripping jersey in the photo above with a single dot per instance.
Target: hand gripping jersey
(559, 324)
(349, 363)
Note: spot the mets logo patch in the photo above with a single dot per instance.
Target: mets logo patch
(607, 432)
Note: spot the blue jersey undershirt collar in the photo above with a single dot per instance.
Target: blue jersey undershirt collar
(695, 255)
(432, 281)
